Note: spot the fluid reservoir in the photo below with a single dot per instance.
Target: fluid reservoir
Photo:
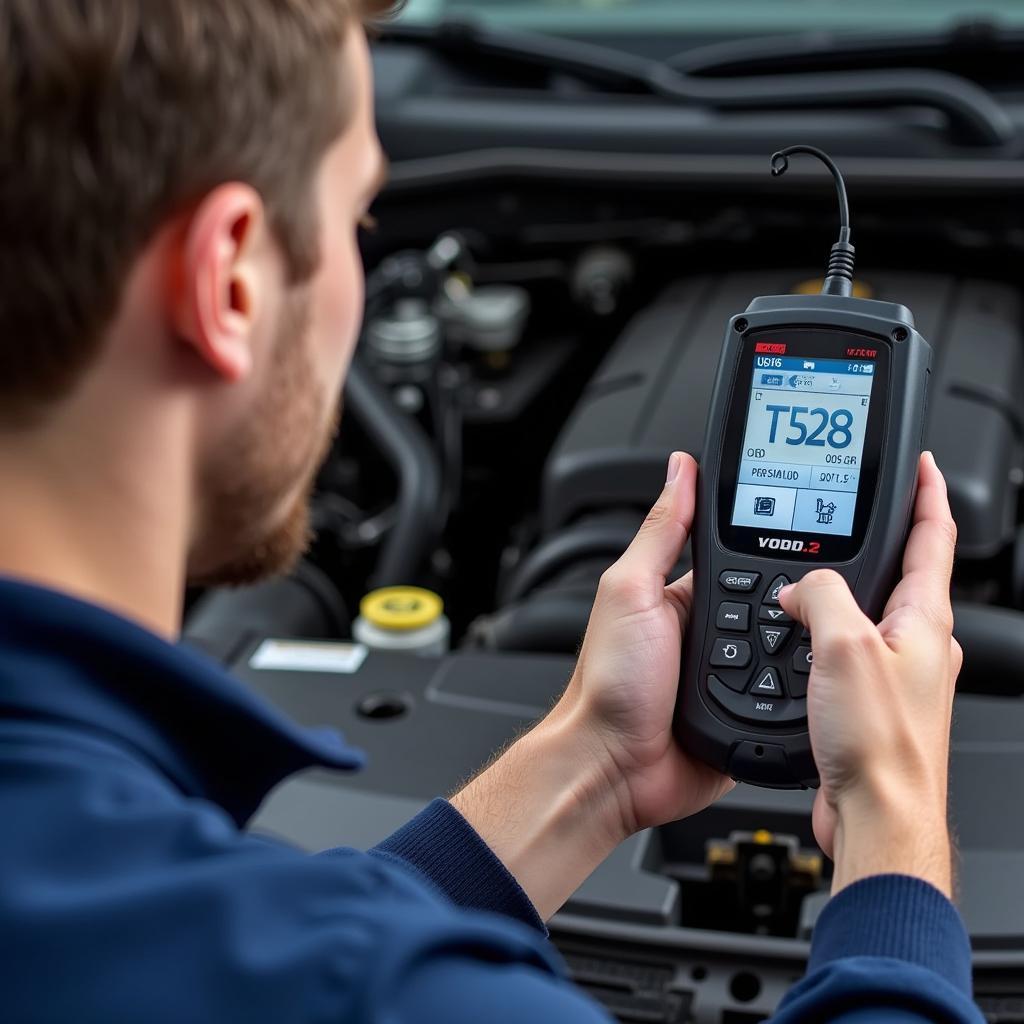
(405, 344)
(403, 619)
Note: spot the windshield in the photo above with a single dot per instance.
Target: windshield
(729, 17)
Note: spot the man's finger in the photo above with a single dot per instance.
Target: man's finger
(928, 560)
(823, 603)
(656, 548)
(680, 593)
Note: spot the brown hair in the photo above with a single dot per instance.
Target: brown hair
(117, 114)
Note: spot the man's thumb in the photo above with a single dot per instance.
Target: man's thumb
(822, 601)
(656, 548)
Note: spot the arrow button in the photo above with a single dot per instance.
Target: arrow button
(772, 597)
(766, 684)
(776, 615)
(773, 638)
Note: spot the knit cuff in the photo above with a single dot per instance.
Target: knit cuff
(441, 844)
(899, 917)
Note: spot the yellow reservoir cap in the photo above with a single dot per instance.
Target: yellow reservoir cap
(402, 609)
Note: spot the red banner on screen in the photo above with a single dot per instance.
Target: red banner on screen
(770, 349)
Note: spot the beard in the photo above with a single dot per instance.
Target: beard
(247, 538)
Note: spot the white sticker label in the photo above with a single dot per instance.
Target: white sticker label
(306, 656)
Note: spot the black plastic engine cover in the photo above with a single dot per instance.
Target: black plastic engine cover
(450, 715)
(651, 396)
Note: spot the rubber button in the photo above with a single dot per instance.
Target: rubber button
(757, 710)
(739, 582)
(736, 681)
(772, 597)
(729, 653)
(733, 617)
(800, 676)
(766, 684)
(773, 638)
(777, 615)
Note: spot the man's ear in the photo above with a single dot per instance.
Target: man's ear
(217, 289)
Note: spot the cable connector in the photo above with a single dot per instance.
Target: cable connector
(839, 275)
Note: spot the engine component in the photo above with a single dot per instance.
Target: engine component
(602, 537)
(769, 875)
(405, 343)
(489, 319)
(303, 604)
(403, 443)
(600, 277)
(547, 597)
(413, 273)
(404, 619)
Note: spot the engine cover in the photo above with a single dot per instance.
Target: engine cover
(651, 396)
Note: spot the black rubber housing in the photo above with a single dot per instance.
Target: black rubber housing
(779, 756)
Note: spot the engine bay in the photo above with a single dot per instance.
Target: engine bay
(539, 337)
(707, 919)
(531, 404)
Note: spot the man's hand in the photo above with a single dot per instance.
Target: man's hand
(880, 704)
(628, 671)
(604, 763)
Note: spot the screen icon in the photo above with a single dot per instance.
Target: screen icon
(765, 506)
(826, 512)
(808, 365)
(771, 380)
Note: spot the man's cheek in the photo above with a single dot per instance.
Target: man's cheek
(340, 309)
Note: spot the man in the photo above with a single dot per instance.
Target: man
(181, 290)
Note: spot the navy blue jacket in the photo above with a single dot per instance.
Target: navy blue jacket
(130, 892)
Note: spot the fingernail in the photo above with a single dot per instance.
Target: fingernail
(673, 467)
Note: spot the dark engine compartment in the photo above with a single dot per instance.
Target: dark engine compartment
(541, 333)
(707, 919)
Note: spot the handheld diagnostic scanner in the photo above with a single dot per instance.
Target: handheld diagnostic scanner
(810, 461)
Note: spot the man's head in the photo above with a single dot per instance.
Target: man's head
(180, 188)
